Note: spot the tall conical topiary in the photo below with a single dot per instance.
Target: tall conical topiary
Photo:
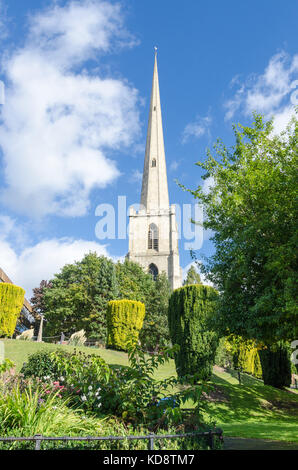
(190, 309)
(124, 322)
(11, 302)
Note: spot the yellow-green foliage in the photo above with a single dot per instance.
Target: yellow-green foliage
(252, 364)
(246, 354)
(11, 302)
(124, 322)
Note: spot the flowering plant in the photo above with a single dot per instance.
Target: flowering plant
(83, 376)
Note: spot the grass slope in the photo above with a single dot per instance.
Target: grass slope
(250, 410)
(253, 410)
(18, 351)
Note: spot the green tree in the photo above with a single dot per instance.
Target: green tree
(251, 207)
(190, 310)
(135, 284)
(78, 297)
(37, 299)
(155, 332)
(276, 366)
(193, 277)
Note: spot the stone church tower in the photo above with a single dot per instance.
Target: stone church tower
(153, 234)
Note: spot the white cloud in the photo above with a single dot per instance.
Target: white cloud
(268, 93)
(196, 129)
(60, 121)
(43, 260)
(232, 105)
(16, 233)
(6, 226)
(80, 29)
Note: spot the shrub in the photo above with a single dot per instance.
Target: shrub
(83, 377)
(142, 396)
(130, 393)
(124, 322)
(25, 413)
(276, 365)
(41, 365)
(190, 309)
(106, 427)
(11, 302)
(127, 392)
(6, 366)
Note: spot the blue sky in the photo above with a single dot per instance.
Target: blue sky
(77, 79)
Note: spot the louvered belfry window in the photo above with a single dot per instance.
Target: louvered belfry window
(153, 237)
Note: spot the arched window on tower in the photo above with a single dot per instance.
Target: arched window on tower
(153, 237)
(153, 270)
(153, 163)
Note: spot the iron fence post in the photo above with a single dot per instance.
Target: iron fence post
(151, 441)
(211, 441)
(37, 439)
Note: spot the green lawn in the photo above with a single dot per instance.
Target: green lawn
(18, 351)
(252, 409)
(249, 410)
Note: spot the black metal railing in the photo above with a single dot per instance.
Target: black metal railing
(38, 439)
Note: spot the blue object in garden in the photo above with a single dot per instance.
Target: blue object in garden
(168, 402)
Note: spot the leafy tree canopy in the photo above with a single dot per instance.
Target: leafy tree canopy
(37, 299)
(252, 208)
(78, 297)
(136, 284)
(193, 277)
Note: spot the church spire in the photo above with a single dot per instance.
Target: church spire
(155, 185)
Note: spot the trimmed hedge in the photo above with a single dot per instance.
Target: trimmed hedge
(124, 322)
(276, 365)
(11, 303)
(190, 308)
